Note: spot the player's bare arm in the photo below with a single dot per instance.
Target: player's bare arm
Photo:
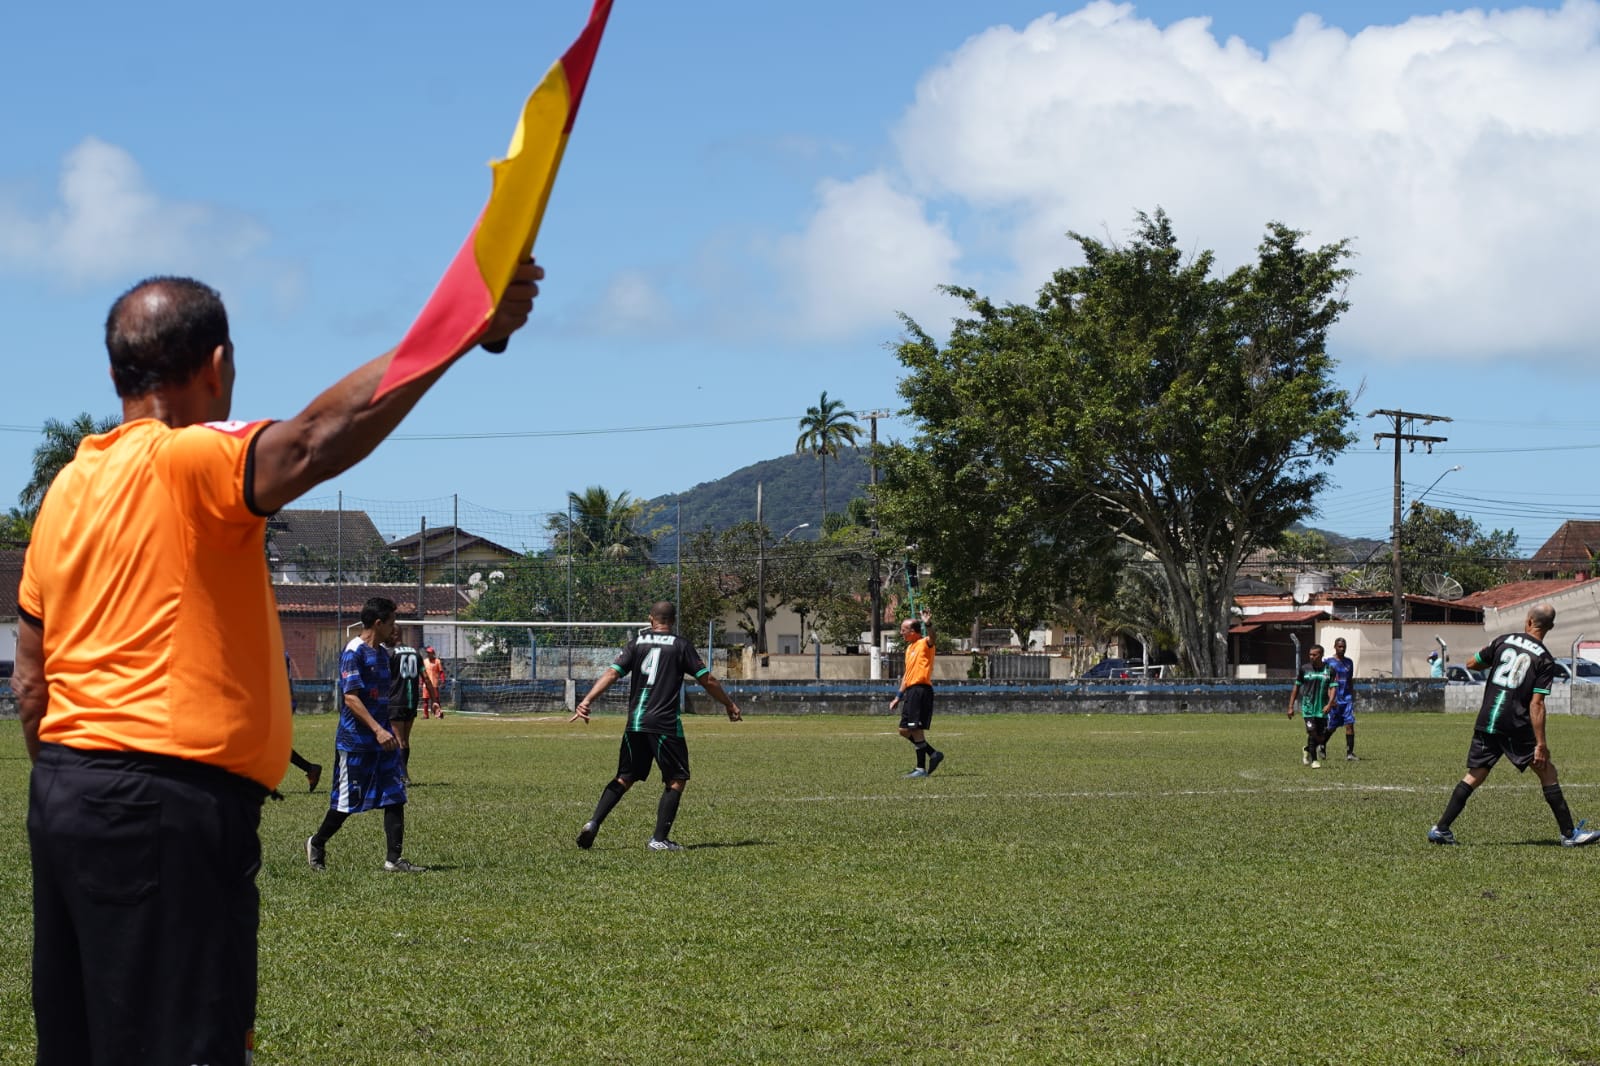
(27, 683)
(344, 424)
(1294, 694)
(386, 740)
(586, 704)
(1536, 712)
(720, 694)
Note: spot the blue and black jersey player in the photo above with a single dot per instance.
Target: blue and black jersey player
(1344, 699)
(655, 662)
(1511, 723)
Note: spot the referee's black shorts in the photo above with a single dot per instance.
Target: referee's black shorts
(145, 909)
(916, 707)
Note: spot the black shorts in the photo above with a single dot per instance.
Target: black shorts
(916, 707)
(145, 908)
(1315, 726)
(399, 712)
(1516, 746)
(639, 750)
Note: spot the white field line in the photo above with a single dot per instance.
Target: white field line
(923, 797)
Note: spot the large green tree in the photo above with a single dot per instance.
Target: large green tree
(825, 429)
(1143, 397)
(58, 443)
(1438, 543)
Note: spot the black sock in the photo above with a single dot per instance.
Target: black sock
(608, 799)
(1350, 744)
(924, 749)
(1458, 800)
(301, 763)
(1558, 807)
(394, 830)
(667, 812)
(405, 761)
(330, 825)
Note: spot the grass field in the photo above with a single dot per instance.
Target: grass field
(1083, 889)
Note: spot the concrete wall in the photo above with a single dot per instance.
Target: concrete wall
(1564, 698)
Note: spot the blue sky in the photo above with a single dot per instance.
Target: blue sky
(753, 191)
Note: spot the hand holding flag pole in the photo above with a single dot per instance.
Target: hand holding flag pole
(463, 304)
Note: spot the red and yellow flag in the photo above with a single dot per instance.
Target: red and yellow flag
(462, 305)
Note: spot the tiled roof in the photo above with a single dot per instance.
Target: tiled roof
(323, 534)
(1572, 546)
(440, 543)
(324, 599)
(1516, 592)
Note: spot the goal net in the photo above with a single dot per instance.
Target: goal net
(526, 667)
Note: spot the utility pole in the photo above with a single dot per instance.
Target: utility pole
(761, 582)
(1404, 423)
(875, 582)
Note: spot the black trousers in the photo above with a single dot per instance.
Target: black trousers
(145, 909)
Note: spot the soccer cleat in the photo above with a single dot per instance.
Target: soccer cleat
(1305, 758)
(1350, 756)
(918, 772)
(664, 845)
(586, 835)
(1580, 836)
(1316, 765)
(1441, 836)
(313, 775)
(316, 854)
(1322, 752)
(933, 762)
(403, 866)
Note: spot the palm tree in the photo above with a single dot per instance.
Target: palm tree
(824, 429)
(58, 445)
(602, 526)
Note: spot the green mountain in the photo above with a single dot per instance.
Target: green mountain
(791, 494)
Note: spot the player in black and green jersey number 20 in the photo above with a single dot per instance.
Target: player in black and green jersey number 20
(656, 664)
(1313, 692)
(1511, 723)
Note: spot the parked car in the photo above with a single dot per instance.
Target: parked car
(1457, 672)
(1115, 669)
(1588, 671)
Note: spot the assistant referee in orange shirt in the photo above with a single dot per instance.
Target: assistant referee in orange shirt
(150, 681)
(916, 692)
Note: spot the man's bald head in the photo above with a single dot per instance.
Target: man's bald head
(1542, 617)
(161, 332)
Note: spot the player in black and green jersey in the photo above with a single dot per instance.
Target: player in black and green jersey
(656, 664)
(1511, 723)
(1312, 696)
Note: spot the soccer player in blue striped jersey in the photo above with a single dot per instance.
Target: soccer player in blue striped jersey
(1511, 723)
(655, 663)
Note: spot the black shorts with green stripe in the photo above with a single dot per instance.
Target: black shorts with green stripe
(639, 750)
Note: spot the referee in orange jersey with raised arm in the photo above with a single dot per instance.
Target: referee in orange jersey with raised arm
(916, 692)
(150, 679)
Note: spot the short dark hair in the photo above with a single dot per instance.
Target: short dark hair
(1314, 647)
(375, 609)
(665, 612)
(161, 332)
(916, 625)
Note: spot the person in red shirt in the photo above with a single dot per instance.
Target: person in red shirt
(916, 692)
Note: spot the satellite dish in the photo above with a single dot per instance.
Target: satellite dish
(475, 578)
(1442, 587)
(1300, 596)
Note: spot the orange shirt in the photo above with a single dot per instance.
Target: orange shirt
(434, 669)
(147, 570)
(919, 664)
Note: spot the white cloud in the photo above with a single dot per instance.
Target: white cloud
(869, 251)
(1457, 150)
(109, 224)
